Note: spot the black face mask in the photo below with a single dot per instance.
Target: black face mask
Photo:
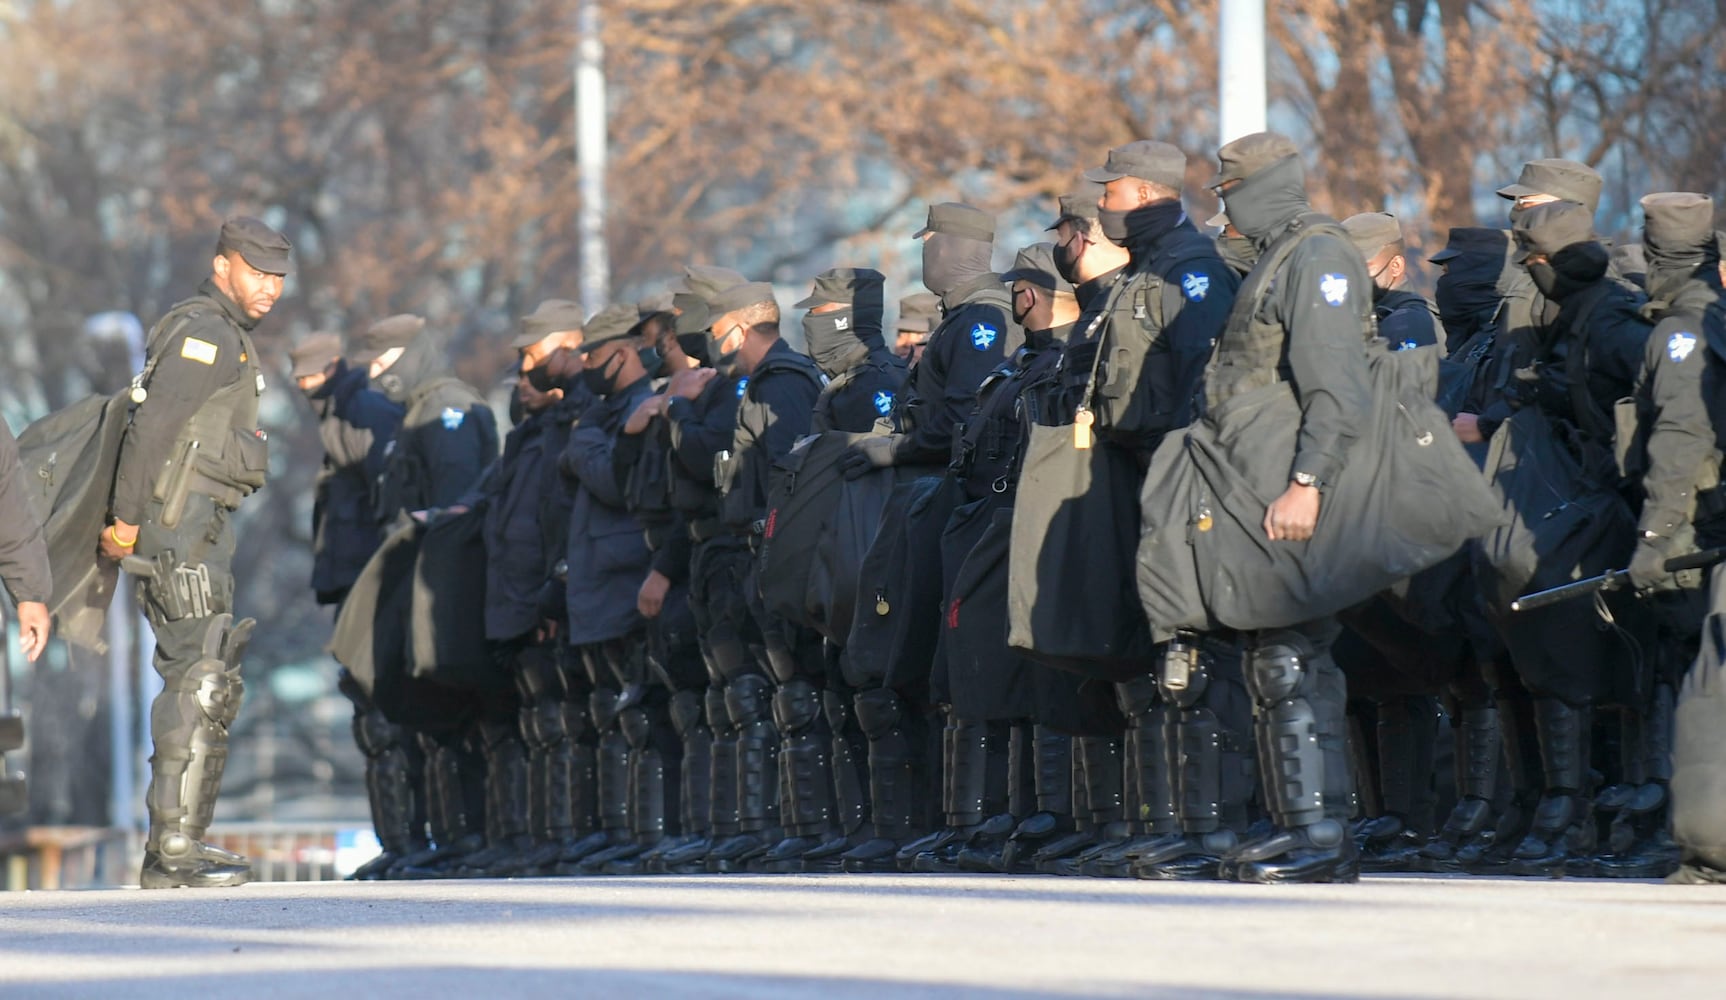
(697, 346)
(1142, 224)
(651, 360)
(598, 380)
(541, 380)
(1067, 260)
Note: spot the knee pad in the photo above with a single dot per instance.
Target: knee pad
(837, 707)
(686, 711)
(779, 658)
(1279, 667)
(537, 678)
(602, 708)
(627, 660)
(376, 735)
(637, 728)
(1184, 672)
(796, 706)
(595, 666)
(749, 700)
(728, 658)
(215, 690)
(1136, 696)
(879, 712)
(718, 716)
(494, 734)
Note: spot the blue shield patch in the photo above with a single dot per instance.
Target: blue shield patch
(1334, 288)
(983, 336)
(1679, 346)
(884, 402)
(452, 418)
(742, 386)
(1195, 286)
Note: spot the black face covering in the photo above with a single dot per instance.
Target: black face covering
(1067, 260)
(1569, 271)
(1465, 303)
(698, 346)
(598, 380)
(833, 339)
(540, 378)
(1142, 224)
(950, 261)
(651, 360)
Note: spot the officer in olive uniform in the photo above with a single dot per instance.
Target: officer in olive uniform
(192, 452)
(1405, 319)
(1301, 318)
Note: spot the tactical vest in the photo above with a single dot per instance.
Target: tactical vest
(402, 484)
(1249, 354)
(742, 478)
(924, 394)
(220, 453)
(1137, 393)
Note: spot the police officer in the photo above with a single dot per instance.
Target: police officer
(641, 457)
(976, 334)
(699, 409)
(1405, 319)
(448, 438)
(608, 557)
(1682, 509)
(532, 808)
(191, 453)
(1466, 293)
(843, 332)
(1168, 309)
(779, 390)
(919, 314)
(1590, 356)
(1302, 319)
(356, 427)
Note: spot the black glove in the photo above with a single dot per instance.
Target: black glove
(868, 455)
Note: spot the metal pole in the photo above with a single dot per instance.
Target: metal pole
(1241, 68)
(590, 155)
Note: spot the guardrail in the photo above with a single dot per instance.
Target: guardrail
(81, 857)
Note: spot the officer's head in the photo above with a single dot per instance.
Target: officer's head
(958, 242)
(919, 314)
(658, 329)
(549, 336)
(316, 359)
(1042, 299)
(1081, 251)
(734, 314)
(382, 344)
(612, 350)
(250, 264)
(1135, 177)
(1678, 240)
(1378, 237)
(1543, 182)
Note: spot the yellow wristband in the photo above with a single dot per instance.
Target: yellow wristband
(115, 536)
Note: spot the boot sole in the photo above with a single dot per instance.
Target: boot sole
(150, 880)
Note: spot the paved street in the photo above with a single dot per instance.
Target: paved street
(870, 936)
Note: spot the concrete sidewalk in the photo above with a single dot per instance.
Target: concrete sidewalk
(870, 936)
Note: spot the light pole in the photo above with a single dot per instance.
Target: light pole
(1240, 68)
(590, 157)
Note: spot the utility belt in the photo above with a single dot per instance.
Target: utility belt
(706, 529)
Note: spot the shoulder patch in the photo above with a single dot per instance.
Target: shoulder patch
(1195, 286)
(742, 386)
(1679, 345)
(884, 402)
(452, 418)
(983, 336)
(1334, 288)
(201, 351)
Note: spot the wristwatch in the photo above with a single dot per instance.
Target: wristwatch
(1305, 479)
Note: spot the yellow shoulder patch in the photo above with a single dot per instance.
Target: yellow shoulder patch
(201, 351)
